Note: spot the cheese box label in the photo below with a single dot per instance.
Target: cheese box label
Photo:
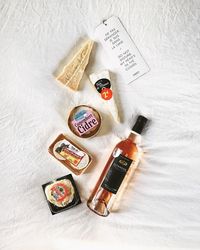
(84, 122)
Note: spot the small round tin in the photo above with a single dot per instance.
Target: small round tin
(84, 121)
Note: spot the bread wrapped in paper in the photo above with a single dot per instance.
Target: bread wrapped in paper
(101, 82)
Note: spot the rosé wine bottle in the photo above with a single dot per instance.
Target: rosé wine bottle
(118, 170)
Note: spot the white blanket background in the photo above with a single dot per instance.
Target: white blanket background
(161, 208)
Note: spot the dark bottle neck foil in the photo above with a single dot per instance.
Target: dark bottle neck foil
(140, 124)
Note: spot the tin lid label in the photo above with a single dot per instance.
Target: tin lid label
(84, 122)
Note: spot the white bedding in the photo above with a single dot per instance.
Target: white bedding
(161, 208)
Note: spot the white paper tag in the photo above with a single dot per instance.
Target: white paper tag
(121, 49)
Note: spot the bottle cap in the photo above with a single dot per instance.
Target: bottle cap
(140, 124)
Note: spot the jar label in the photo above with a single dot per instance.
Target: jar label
(116, 173)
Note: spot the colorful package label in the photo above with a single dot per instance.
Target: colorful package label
(84, 121)
(70, 152)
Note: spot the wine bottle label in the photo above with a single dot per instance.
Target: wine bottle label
(116, 173)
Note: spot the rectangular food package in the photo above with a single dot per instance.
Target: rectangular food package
(72, 156)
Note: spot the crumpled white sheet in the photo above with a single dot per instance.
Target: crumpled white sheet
(161, 206)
